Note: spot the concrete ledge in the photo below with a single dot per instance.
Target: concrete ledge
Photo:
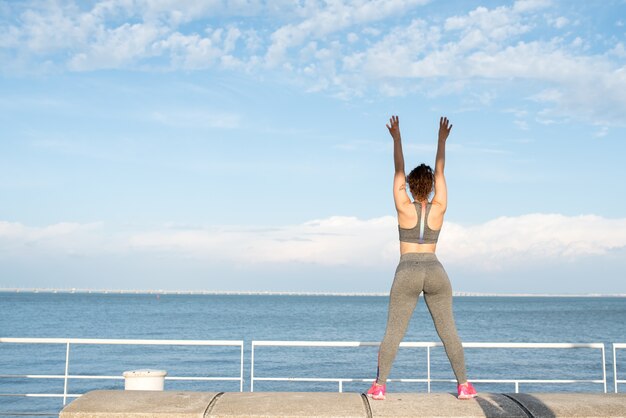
(409, 405)
(572, 405)
(146, 404)
(289, 404)
(139, 404)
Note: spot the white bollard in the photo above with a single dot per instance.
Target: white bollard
(144, 379)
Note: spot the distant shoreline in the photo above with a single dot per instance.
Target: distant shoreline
(277, 293)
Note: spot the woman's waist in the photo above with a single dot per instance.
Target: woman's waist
(410, 247)
(423, 257)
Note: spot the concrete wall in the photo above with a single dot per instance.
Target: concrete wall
(147, 404)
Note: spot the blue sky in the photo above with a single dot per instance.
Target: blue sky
(241, 145)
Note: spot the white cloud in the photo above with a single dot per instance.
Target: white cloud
(176, 11)
(509, 241)
(602, 132)
(64, 237)
(485, 25)
(22, 233)
(560, 22)
(488, 45)
(331, 17)
(125, 33)
(347, 48)
(486, 48)
(115, 48)
(173, 12)
(578, 42)
(500, 244)
(195, 51)
(397, 54)
(618, 50)
(332, 241)
(530, 5)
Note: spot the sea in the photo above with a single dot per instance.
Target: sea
(302, 317)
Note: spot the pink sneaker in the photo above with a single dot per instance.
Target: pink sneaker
(377, 391)
(466, 391)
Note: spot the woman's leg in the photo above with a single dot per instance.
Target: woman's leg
(438, 297)
(407, 285)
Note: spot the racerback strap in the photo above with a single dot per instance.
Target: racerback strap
(422, 223)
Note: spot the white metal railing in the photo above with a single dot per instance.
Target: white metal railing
(616, 346)
(428, 345)
(81, 341)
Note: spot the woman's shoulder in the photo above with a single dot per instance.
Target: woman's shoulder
(407, 215)
(436, 209)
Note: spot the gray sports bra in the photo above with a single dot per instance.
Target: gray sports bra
(420, 233)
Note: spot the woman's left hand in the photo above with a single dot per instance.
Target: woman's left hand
(444, 129)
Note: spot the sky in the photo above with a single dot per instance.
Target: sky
(241, 145)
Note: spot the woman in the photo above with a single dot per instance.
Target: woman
(419, 223)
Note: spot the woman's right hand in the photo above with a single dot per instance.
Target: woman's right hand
(394, 128)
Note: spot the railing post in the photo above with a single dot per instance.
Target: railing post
(428, 367)
(252, 368)
(241, 370)
(340, 386)
(67, 368)
(604, 367)
(516, 386)
(614, 369)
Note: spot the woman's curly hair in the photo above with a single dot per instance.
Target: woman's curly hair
(421, 180)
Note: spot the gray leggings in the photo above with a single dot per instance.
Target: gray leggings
(419, 272)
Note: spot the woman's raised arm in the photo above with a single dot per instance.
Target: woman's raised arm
(441, 192)
(400, 196)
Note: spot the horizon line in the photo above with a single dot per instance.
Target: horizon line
(281, 293)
